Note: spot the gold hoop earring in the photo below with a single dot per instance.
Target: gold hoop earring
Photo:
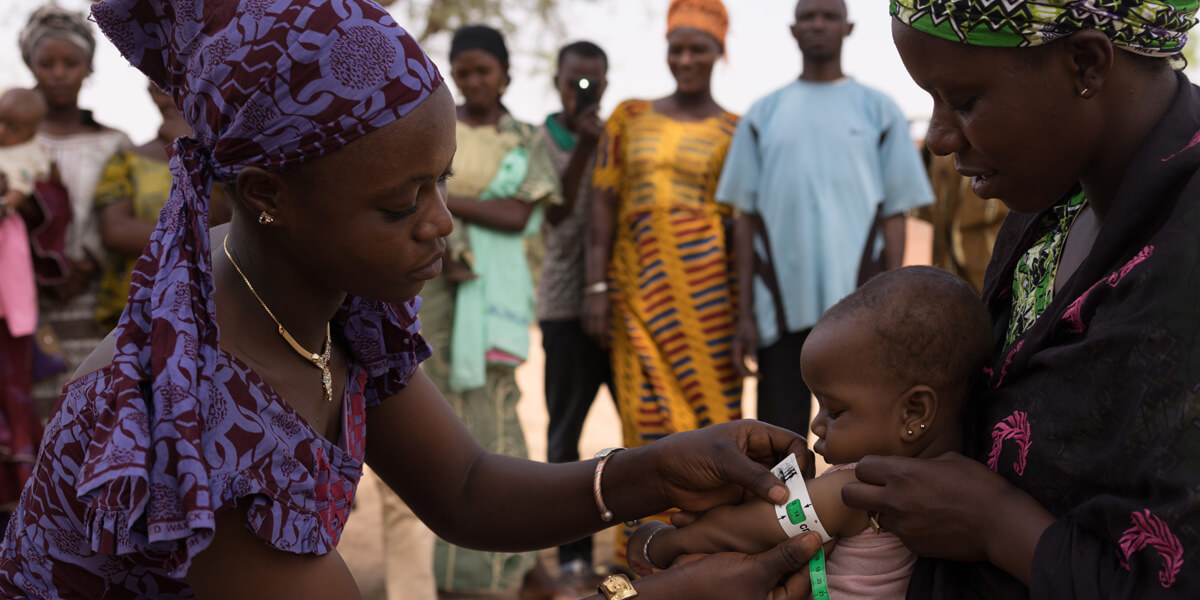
(265, 218)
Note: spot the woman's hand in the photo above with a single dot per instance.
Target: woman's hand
(637, 551)
(745, 344)
(749, 527)
(721, 464)
(951, 507)
(590, 126)
(597, 315)
(780, 573)
(10, 199)
(80, 274)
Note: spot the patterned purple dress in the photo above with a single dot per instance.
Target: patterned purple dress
(142, 455)
(72, 539)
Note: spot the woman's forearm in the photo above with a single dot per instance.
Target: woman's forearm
(894, 239)
(558, 497)
(601, 226)
(571, 179)
(1017, 524)
(502, 214)
(477, 499)
(121, 232)
(743, 235)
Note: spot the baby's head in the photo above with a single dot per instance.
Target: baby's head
(892, 364)
(21, 111)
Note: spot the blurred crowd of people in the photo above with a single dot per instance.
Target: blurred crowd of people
(80, 202)
(665, 252)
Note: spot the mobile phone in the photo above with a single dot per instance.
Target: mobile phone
(587, 94)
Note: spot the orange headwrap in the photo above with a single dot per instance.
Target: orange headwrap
(708, 16)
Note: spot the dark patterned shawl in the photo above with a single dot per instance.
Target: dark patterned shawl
(1095, 410)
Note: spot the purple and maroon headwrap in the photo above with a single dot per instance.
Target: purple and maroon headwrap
(262, 82)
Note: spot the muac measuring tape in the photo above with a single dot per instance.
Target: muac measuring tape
(798, 516)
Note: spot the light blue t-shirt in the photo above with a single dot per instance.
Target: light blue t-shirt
(815, 160)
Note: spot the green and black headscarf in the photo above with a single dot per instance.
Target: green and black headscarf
(1149, 27)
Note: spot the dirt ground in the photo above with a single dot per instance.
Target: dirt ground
(361, 545)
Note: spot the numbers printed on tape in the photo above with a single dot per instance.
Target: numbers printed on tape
(817, 576)
(797, 517)
(795, 512)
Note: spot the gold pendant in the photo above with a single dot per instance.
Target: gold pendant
(322, 363)
(327, 380)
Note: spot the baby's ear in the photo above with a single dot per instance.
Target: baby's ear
(918, 409)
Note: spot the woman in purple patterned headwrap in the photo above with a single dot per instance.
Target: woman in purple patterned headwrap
(201, 451)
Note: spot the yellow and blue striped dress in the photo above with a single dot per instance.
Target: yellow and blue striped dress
(671, 272)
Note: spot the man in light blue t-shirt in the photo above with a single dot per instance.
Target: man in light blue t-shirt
(811, 166)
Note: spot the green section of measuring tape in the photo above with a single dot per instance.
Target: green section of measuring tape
(816, 574)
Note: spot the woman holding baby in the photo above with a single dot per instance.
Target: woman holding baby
(39, 128)
(212, 445)
(1078, 472)
(1086, 421)
(58, 47)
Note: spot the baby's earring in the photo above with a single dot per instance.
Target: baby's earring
(265, 218)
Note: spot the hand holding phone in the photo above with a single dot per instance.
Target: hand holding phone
(587, 94)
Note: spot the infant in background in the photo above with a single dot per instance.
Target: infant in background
(22, 159)
(891, 366)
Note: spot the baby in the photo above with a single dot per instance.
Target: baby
(891, 366)
(22, 160)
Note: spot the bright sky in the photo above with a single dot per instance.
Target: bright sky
(762, 57)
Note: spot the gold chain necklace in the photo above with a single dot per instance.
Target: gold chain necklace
(320, 360)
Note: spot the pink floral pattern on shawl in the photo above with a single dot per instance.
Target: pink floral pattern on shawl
(1149, 531)
(1014, 427)
(1074, 315)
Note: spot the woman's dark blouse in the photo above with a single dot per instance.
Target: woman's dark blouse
(104, 517)
(1095, 410)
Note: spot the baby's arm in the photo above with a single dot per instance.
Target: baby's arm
(838, 519)
(749, 527)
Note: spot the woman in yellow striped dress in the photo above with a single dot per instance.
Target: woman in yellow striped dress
(661, 287)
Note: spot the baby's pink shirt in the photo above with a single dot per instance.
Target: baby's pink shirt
(18, 293)
(869, 565)
(22, 164)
